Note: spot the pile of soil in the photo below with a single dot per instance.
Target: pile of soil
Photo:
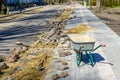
(111, 17)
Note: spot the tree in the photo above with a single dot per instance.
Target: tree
(90, 4)
(3, 7)
(98, 5)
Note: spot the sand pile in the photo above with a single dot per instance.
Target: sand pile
(78, 29)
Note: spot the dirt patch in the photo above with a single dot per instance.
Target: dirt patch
(111, 17)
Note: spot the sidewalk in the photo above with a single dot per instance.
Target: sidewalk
(107, 68)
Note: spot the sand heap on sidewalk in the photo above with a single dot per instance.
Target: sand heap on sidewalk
(78, 29)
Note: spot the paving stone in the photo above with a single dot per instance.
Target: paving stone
(55, 77)
(64, 62)
(64, 74)
(19, 43)
(62, 67)
(2, 58)
(3, 66)
(13, 58)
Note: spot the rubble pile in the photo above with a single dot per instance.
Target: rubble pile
(31, 62)
(60, 64)
(63, 14)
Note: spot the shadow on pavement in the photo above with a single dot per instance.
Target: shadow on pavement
(97, 58)
(42, 15)
(20, 31)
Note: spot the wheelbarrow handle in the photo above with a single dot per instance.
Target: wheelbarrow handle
(99, 47)
(103, 45)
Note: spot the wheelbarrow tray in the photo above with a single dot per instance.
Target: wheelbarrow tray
(79, 40)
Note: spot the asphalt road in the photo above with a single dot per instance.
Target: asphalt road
(24, 29)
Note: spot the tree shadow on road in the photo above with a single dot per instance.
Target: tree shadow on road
(17, 32)
(40, 16)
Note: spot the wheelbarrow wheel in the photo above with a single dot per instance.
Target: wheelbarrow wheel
(79, 58)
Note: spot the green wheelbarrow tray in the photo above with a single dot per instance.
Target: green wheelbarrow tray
(83, 43)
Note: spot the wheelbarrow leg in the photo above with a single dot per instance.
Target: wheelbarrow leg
(90, 58)
(78, 58)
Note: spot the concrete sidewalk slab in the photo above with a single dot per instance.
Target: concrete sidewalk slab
(103, 35)
(107, 66)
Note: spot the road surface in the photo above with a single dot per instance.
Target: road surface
(25, 26)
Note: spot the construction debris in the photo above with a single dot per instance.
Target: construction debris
(62, 67)
(64, 62)
(63, 74)
(31, 62)
(13, 58)
(55, 77)
(2, 58)
(3, 66)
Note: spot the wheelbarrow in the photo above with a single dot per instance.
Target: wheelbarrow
(83, 44)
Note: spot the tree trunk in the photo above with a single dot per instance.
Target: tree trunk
(90, 5)
(3, 7)
(98, 5)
